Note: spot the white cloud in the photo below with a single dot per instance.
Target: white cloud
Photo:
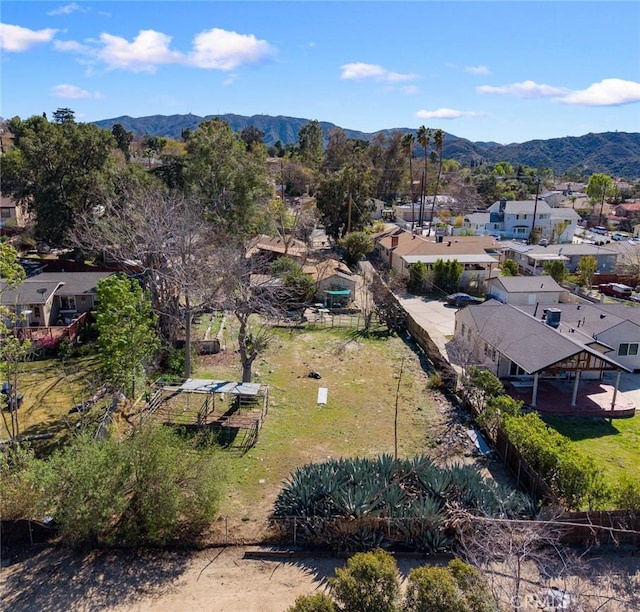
(448, 113)
(67, 9)
(608, 92)
(72, 45)
(147, 50)
(410, 90)
(359, 71)
(479, 70)
(213, 49)
(526, 89)
(70, 91)
(223, 50)
(17, 38)
(230, 80)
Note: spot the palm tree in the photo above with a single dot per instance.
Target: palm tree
(407, 148)
(438, 141)
(424, 137)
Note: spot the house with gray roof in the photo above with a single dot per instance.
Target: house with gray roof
(614, 329)
(532, 257)
(516, 345)
(54, 298)
(525, 289)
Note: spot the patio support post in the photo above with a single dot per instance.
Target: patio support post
(534, 393)
(575, 389)
(615, 390)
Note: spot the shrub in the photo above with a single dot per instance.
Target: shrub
(627, 494)
(471, 582)
(570, 474)
(369, 583)
(148, 489)
(319, 602)
(433, 588)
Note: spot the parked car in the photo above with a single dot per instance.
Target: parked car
(619, 236)
(462, 299)
(616, 290)
(599, 229)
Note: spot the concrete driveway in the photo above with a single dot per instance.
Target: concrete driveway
(434, 316)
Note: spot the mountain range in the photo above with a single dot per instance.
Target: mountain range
(614, 153)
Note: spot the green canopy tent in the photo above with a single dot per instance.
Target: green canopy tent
(337, 297)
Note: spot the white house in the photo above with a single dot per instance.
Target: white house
(525, 289)
(515, 219)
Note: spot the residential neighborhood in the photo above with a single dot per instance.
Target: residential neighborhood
(253, 359)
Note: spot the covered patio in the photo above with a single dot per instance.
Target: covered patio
(593, 398)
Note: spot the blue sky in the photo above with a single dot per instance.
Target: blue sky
(492, 71)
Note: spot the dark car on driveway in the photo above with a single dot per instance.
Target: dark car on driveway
(462, 299)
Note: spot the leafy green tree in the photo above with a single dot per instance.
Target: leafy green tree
(343, 199)
(587, 267)
(299, 286)
(252, 137)
(433, 588)
(13, 346)
(599, 188)
(64, 115)
(123, 140)
(59, 170)
(446, 275)
(368, 583)
(310, 140)
(556, 270)
(387, 154)
(318, 602)
(418, 274)
(127, 339)
(510, 268)
(355, 246)
(231, 179)
(481, 387)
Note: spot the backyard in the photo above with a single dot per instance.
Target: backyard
(366, 378)
(615, 446)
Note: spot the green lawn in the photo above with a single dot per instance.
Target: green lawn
(50, 388)
(615, 446)
(362, 377)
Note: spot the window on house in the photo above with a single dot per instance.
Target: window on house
(628, 349)
(36, 312)
(67, 302)
(463, 328)
(5, 213)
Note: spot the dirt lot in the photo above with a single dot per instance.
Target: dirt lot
(217, 580)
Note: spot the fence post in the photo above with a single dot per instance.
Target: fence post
(295, 534)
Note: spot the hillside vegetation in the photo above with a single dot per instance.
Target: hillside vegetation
(614, 153)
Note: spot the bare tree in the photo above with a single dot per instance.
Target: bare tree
(168, 237)
(255, 297)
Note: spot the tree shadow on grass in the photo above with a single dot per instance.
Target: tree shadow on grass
(54, 579)
(576, 428)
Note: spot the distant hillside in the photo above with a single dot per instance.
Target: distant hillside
(614, 153)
